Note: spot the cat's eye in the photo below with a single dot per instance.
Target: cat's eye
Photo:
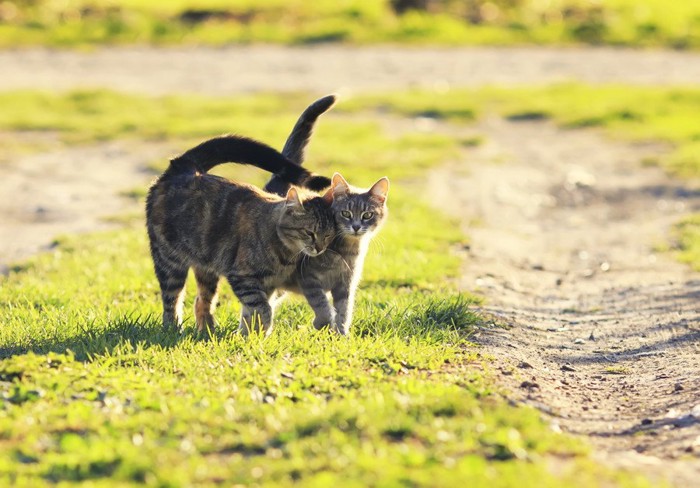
(346, 214)
(367, 215)
(310, 234)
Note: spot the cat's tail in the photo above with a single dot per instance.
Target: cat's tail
(297, 141)
(242, 150)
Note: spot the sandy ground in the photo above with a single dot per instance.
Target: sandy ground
(564, 224)
(324, 69)
(605, 336)
(67, 190)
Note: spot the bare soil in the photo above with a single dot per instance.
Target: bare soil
(604, 335)
(68, 190)
(330, 68)
(605, 330)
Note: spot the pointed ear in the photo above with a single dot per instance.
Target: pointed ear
(293, 201)
(328, 196)
(380, 190)
(339, 185)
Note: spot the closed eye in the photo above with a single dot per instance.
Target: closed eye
(310, 235)
(367, 215)
(346, 214)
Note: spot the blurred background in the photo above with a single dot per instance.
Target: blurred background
(445, 22)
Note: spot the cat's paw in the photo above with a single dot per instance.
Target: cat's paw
(322, 322)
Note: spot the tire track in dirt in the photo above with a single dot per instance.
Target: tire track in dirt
(605, 335)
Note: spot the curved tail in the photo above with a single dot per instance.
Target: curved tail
(297, 141)
(242, 150)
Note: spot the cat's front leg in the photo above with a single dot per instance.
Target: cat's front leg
(343, 301)
(318, 301)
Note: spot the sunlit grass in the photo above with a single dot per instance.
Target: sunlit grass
(661, 114)
(216, 22)
(688, 241)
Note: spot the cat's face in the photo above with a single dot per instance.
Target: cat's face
(306, 227)
(357, 213)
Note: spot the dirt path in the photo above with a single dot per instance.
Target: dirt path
(606, 336)
(67, 190)
(330, 68)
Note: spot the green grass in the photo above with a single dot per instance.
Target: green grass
(688, 241)
(634, 113)
(93, 390)
(448, 22)
(641, 114)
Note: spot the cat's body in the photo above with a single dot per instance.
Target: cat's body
(358, 216)
(337, 271)
(221, 228)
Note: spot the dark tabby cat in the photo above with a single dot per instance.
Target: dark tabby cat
(358, 215)
(221, 228)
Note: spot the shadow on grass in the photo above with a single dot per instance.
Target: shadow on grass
(93, 339)
(419, 317)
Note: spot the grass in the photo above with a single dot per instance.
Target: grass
(447, 22)
(667, 114)
(688, 241)
(93, 390)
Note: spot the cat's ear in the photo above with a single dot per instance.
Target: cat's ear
(339, 186)
(293, 200)
(328, 196)
(380, 190)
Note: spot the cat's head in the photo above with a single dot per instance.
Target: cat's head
(358, 213)
(307, 225)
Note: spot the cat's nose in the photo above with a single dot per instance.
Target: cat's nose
(356, 227)
(319, 248)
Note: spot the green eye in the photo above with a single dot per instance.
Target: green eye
(346, 214)
(367, 215)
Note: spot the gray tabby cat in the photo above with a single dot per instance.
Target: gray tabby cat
(358, 214)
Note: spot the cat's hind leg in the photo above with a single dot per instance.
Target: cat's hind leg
(205, 303)
(256, 313)
(171, 275)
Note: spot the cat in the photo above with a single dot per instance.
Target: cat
(222, 228)
(358, 214)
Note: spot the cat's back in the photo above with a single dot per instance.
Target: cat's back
(200, 195)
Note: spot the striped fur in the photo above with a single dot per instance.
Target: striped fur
(358, 215)
(295, 147)
(221, 228)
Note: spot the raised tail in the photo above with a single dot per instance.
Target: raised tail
(297, 141)
(242, 150)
